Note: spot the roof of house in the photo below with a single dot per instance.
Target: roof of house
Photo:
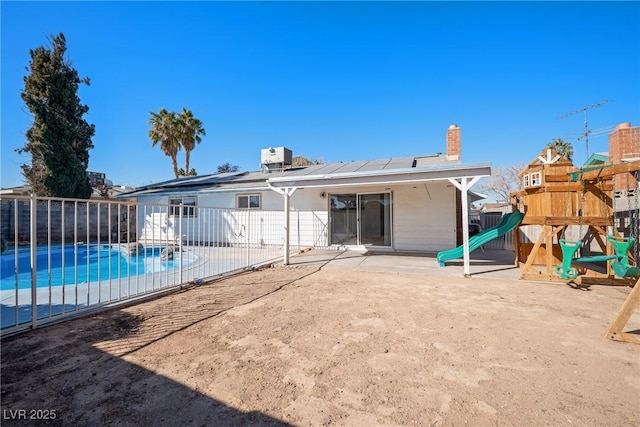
(97, 193)
(597, 159)
(328, 174)
(495, 207)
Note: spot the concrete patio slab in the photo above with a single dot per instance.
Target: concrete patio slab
(487, 264)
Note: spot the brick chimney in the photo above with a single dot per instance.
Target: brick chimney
(624, 143)
(453, 143)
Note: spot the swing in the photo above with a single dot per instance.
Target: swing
(565, 270)
(620, 266)
(625, 271)
(621, 246)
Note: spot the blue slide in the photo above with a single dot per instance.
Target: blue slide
(507, 223)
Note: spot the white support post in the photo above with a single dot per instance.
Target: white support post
(286, 193)
(464, 185)
(287, 234)
(465, 227)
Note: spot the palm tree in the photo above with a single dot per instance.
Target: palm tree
(165, 131)
(561, 147)
(190, 131)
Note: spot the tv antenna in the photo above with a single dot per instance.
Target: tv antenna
(586, 133)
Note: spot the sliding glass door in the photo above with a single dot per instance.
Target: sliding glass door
(375, 219)
(361, 219)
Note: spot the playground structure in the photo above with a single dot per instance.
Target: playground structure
(566, 210)
(570, 210)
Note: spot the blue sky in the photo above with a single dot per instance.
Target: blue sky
(336, 81)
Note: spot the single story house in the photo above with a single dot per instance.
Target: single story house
(415, 203)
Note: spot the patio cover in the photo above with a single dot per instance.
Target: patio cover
(461, 176)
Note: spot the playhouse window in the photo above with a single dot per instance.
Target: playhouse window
(536, 179)
(525, 181)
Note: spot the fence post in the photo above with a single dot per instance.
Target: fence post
(247, 232)
(33, 241)
(298, 212)
(180, 239)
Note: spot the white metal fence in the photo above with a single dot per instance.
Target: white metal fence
(63, 257)
(505, 241)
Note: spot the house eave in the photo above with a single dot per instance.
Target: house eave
(389, 177)
(190, 191)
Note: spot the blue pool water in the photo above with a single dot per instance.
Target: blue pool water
(58, 265)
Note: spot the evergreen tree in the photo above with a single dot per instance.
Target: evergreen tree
(59, 139)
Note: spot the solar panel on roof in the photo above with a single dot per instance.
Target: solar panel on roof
(349, 167)
(375, 165)
(400, 163)
(434, 161)
(311, 170)
(325, 169)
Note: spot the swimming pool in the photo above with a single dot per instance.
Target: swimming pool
(81, 263)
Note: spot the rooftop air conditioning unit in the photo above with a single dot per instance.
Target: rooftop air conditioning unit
(96, 178)
(275, 158)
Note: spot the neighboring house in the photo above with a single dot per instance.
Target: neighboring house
(102, 187)
(416, 203)
(497, 208)
(22, 190)
(624, 146)
(597, 159)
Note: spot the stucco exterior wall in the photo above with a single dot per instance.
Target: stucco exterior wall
(423, 216)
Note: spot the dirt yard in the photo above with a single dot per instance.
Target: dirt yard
(309, 346)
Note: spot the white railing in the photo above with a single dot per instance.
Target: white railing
(63, 257)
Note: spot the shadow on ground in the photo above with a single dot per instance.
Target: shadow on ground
(75, 373)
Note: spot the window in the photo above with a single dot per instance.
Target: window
(525, 181)
(188, 206)
(536, 179)
(248, 201)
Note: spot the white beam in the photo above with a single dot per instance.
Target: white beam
(465, 226)
(286, 193)
(464, 185)
(471, 184)
(388, 177)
